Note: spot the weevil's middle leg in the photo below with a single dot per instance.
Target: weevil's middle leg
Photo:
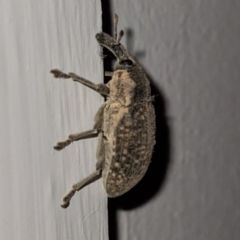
(100, 88)
(81, 184)
(75, 137)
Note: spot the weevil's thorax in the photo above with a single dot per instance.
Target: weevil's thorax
(142, 90)
(129, 84)
(122, 87)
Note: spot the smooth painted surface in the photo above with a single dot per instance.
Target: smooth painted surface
(191, 50)
(37, 110)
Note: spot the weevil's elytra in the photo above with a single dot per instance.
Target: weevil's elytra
(124, 124)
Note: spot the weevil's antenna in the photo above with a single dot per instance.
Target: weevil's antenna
(121, 33)
(115, 20)
(120, 36)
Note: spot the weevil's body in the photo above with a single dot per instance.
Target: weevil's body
(124, 124)
(128, 129)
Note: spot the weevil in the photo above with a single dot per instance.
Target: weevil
(124, 124)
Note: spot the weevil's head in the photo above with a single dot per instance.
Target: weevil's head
(124, 59)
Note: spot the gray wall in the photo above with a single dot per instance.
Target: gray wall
(190, 49)
(37, 110)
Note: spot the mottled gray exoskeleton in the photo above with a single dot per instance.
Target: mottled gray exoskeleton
(124, 124)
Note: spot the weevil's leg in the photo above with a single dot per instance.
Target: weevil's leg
(78, 186)
(100, 88)
(100, 152)
(75, 137)
(108, 74)
(59, 74)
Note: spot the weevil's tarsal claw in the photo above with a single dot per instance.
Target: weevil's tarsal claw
(67, 198)
(59, 74)
(60, 145)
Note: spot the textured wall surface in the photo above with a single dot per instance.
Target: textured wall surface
(37, 110)
(190, 49)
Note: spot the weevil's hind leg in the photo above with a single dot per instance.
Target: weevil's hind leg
(75, 137)
(81, 184)
(92, 177)
(100, 88)
(100, 152)
(59, 74)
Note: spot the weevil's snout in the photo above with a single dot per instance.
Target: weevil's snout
(106, 41)
(124, 60)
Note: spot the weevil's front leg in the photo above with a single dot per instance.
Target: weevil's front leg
(100, 88)
(75, 137)
(81, 184)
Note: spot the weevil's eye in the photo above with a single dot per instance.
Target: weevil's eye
(116, 47)
(126, 63)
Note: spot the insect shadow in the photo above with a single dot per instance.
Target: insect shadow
(130, 44)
